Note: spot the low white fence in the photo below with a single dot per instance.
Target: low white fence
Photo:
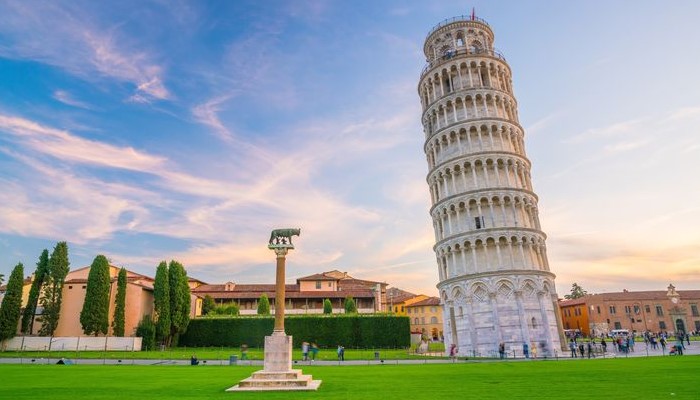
(80, 343)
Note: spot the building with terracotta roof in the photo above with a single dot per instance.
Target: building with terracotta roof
(654, 311)
(396, 300)
(306, 296)
(426, 317)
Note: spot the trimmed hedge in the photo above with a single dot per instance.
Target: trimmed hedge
(362, 331)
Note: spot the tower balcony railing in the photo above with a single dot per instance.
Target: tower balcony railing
(458, 18)
(455, 53)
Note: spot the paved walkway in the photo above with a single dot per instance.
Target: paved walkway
(639, 351)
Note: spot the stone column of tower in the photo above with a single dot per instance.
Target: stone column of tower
(494, 278)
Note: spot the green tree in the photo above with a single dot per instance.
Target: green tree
(120, 305)
(94, 318)
(208, 305)
(146, 330)
(161, 297)
(576, 292)
(53, 288)
(263, 305)
(350, 307)
(42, 268)
(11, 304)
(179, 300)
(327, 306)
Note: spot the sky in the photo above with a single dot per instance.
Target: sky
(188, 130)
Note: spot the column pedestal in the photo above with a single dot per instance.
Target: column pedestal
(277, 373)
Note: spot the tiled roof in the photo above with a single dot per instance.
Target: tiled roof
(397, 295)
(317, 277)
(631, 296)
(235, 294)
(430, 301)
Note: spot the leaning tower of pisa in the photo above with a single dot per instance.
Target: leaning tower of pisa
(494, 278)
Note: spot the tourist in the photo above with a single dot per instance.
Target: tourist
(526, 350)
(662, 341)
(193, 360)
(314, 351)
(534, 350)
(604, 345)
(590, 349)
(502, 350)
(453, 351)
(305, 351)
(341, 353)
(581, 349)
(244, 352)
(572, 347)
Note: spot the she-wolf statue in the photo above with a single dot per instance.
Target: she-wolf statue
(282, 235)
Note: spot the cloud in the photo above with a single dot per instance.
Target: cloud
(68, 99)
(65, 146)
(68, 37)
(207, 114)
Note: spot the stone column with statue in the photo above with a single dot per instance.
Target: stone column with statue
(277, 373)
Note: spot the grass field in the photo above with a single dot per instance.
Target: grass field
(633, 378)
(216, 353)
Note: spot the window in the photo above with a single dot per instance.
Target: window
(84, 286)
(415, 321)
(618, 325)
(396, 309)
(433, 320)
(647, 308)
(408, 311)
(433, 309)
(534, 323)
(697, 326)
(694, 310)
(612, 311)
(628, 310)
(659, 311)
(70, 287)
(401, 308)
(598, 309)
(636, 309)
(422, 320)
(479, 222)
(608, 321)
(662, 325)
(318, 284)
(330, 284)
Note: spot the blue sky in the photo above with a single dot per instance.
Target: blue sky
(188, 130)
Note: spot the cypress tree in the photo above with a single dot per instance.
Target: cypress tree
(179, 299)
(42, 268)
(11, 304)
(350, 307)
(53, 288)
(263, 305)
(120, 305)
(94, 318)
(161, 297)
(327, 306)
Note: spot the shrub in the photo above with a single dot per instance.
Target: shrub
(146, 329)
(365, 331)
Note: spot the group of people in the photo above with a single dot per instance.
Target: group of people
(306, 348)
(584, 349)
(528, 350)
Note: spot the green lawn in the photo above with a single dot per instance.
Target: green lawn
(633, 378)
(214, 353)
